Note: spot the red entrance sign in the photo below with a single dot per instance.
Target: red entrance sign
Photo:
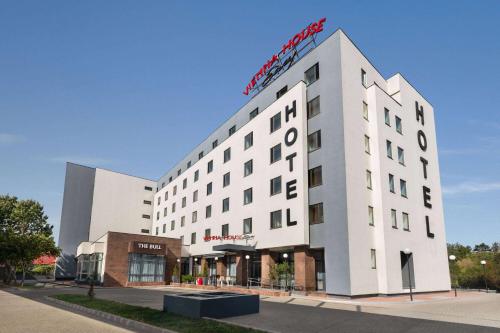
(282, 60)
(228, 237)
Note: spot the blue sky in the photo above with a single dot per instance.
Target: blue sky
(132, 86)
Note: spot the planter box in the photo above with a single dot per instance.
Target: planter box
(211, 304)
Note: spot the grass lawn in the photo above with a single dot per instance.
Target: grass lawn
(152, 316)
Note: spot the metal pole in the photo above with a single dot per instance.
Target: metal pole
(248, 286)
(409, 276)
(484, 275)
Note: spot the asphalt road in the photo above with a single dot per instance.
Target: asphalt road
(280, 317)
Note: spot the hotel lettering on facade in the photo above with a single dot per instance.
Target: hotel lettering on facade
(328, 162)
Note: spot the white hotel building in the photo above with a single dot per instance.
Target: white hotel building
(330, 163)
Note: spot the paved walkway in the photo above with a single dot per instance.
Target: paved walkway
(19, 314)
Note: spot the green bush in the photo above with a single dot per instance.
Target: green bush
(46, 270)
(188, 278)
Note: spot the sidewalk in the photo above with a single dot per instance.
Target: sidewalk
(21, 315)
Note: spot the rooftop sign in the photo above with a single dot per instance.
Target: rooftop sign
(291, 51)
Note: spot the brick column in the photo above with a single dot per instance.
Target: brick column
(221, 267)
(241, 269)
(267, 261)
(305, 270)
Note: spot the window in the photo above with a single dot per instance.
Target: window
(373, 258)
(144, 267)
(276, 122)
(316, 213)
(165, 211)
(179, 172)
(166, 195)
(172, 225)
(365, 110)
(182, 240)
(148, 188)
(394, 219)
(188, 165)
(194, 217)
(371, 217)
(195, 196)
(145, 231)
(208, 211)
(225, 230)
(248, 168)
(170, 179)
(210, 166)
(215, 143)
(276, 219)
(401, 156)
(388, 147)
(207, 235)
(276, 153)
(147, 202)
(276, 185)
(369, 179)
(367, 144)
(315, 176)
(313, 107)
(183, 221)
(249, 140)
(159, 200)
(209, 188)
(145, 216)
(247, 226)
(193, 238)
(165, 227)
(183, 204)
(196, 176)
(184, 183)
(406, 222)
(281, 92)
(157, 216)
(402, 187)
(232, 130)
(225, 205)
(156, 231)
(254, 113)
(314, 141)
(227, 155)
(387, 117)
(163, 185)
(226, 179)
(391, 183)
(175, 190)
(173, 207)
(364, 79)
(399, 126)
(247, 196)
(312, 74)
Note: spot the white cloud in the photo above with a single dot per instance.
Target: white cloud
(471, 187)
(7, 138)
(83, 160)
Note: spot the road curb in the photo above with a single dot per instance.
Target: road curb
(123, 322)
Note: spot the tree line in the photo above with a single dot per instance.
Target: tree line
(466, 271)
(25, 235)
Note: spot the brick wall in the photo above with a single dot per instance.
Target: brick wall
(118, 248)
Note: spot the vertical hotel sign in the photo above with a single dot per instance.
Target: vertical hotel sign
(290, 52)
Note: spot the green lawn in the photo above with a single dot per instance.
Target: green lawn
(153, 317)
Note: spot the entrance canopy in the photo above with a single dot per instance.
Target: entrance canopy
(233, 248)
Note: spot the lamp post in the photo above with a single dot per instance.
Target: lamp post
(483, 263)
(216, 259)
(247, 257)
(285, 256)
(195, 268)
(407, 252)
(179, 263)
(452, 259)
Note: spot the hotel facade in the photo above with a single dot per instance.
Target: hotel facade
(329, 166)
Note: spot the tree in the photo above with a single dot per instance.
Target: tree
(459, 250)
(482, 248)
(495, 247)
(24, 234)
